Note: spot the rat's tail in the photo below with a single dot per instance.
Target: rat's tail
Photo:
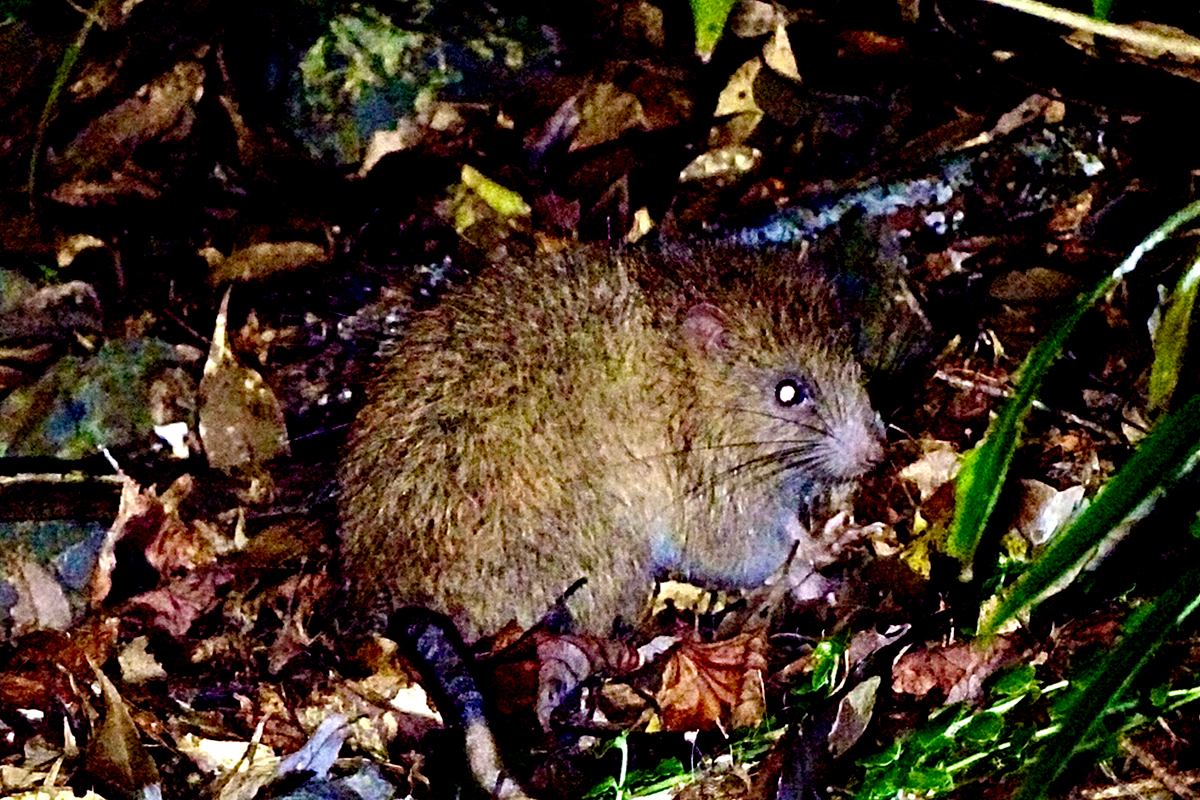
(437, 649)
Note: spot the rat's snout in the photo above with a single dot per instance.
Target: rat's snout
(856, 445)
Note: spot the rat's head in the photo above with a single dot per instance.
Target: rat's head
(792, 408)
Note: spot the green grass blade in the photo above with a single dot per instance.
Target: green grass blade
(982, 477)
(1101, 8)
(1160, 458)
(1143, 634)
(1170, 343)
(61, 77)
(708, 17)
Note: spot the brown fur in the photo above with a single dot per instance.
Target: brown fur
(598, 416)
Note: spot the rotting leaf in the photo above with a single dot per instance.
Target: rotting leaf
(115, 757)
(563, 665)
(301, 593)
(179, 546)
(150, 523)
(45, 668)
(540, 670)
(241, 422)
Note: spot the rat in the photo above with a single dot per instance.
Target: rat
(619, 417)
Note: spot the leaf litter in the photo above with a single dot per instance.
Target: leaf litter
(222, 580)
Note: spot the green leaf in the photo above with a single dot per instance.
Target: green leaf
(983, 727)
(502, 200)
(1144, 632)
(888, 755)
(934, 736)
(1158, 459)
(14, 9)
(708, 17)
(930, 782)
(1020, 680)
(1170, 343)
(980, 482)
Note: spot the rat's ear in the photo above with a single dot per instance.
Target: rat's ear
(705, 328)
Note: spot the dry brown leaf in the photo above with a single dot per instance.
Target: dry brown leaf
(958, 670)
(41, 602)
(853, 716)
(706, 685)
(150, 523)
(115, 756)
(265, 259)
(301, 593)
(241, 421)
(607, 113)
(176, 606)
(161, 108)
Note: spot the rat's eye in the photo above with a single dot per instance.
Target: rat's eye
(790, 392)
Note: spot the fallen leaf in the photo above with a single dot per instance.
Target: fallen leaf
(936, 467)
(958, 670)
(41, 602)
(137, 664)
(241, 422)
(1044, 509)
(115, 757)
(606, 114)
(853, 715)
(706, 685)
(161, 108)
(738, 95)
(266, 259)
(778, 53)
(727, 163)
(175, 607)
